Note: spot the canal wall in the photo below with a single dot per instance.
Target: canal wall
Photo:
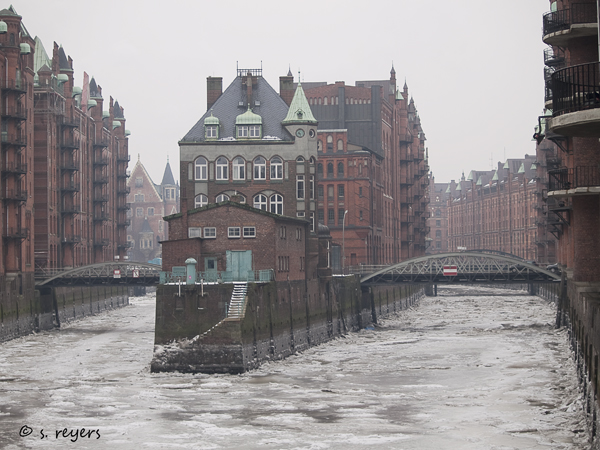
(194, 334)
(36, 310)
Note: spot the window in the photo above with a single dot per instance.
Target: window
(194, 232)
(330, 217)
(438, 223)
(276, 168)
(200, 200)
(276, 204)
(360, 191)
(150, 211)
(138, 198)
(139, 212)
(239, 168)
(233, 232)
(329, 170)
(222, 169)
(438, 213)
(311, 187)
(438, 244)
(340, 144)
(248, 131)
(260, 168)
(222, 198)
(260, 202)
(282, 232)
(438, 233)
(210, 232)
(300, 187)
(139, 182)
(212, 131)
(298, 234)
(320, 170)
(320, 192)
(341, 191)
(340, 168)
(361, 215)
(249, 232)
(169, 193)
(201, 169)
(321, 216)
(341, 212)
(329, 143)
(330, 192)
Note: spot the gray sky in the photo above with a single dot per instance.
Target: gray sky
(473, 67)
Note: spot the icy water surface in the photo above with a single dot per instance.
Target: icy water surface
(460, 371)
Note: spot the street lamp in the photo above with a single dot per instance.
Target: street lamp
(344, 242)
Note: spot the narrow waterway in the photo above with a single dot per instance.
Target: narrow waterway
(460, 371)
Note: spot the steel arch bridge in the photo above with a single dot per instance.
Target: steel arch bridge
(118, 273)
(463, 267)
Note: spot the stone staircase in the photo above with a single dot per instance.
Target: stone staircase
(238, 301)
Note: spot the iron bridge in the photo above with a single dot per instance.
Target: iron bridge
(463, 267)
(118, 273)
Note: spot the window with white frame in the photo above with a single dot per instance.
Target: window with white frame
(239, 168)
(254, 131)
(139, 212)
(222, 198)
(210, 232)
(260, 168)
(200, 200)
(276, 204)
(212, 131)
(300, 187)
(201, 169)
(260, 202)
(150, 211)
(249, 232)
(276, 168)
(233, 232)
(222, 167)
(194, 232)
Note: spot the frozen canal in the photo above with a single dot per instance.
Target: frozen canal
(460, 371)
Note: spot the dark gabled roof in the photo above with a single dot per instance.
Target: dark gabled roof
(117, 111)
(241, 206)
(94, 92)
(168, 178)
(146, 228)
(63, 62)
(272, 109)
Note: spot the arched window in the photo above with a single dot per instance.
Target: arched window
(329, 143)
(340, 168)
(340, 144)
(222, 169)
(276, 204)
(300, 159)
(260, 168)
(200, 200)
(239, 168)
(222, 198)
(276, 168)
(329, 170)
(325, 101)
(260, 202)
(201, 169)
(320, 169)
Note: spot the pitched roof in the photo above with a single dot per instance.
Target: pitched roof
(146, 228)
(63, 62)
(168, 176)
(272, 109)
(299, 111)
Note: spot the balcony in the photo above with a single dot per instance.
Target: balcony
(124, 207)
(577, 21)
(19, 168)
(124, 223)
(70, 123)
(581, 180)
(18, 140)
(101, 161)
(69, 144)
(101, 179)
(576, 101)
(101, 242)
(14, 112)
(123, 158)
(19, 86)
(69, 166)
(554, 57)
(101, 143)
(71, 209)
(101, 198)
(71, 239)
(125, 245)
(17, 233)
(71, 187)
(18, 195)
(123, 190)
(101, 217)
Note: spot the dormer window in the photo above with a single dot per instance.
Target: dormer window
(211, 127)
(248, 125)
(248, 131)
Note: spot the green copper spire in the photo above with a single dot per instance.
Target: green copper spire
(299, 111)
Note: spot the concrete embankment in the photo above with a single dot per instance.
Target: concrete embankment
(194, 332)
(26, 310)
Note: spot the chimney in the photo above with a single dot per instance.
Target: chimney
(286, 88)
(214, 89)
(249, 89)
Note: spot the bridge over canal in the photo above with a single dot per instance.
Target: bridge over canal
(107, 273)
(462, 267)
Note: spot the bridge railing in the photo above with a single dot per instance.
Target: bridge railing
(214, 276)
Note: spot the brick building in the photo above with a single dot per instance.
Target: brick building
(17, 222)
(567, 135)
(81, 158)
(437, 222)
(496, 209)
(371, 146)
(149, 203)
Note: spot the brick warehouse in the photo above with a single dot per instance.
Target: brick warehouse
(63, 175)
(496, 210)
(375, 136)
(438, 217)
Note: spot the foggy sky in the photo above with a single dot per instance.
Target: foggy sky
(473, 67)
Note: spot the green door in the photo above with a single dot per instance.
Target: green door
(239, 263)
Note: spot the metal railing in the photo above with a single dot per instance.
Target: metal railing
(251, 276)
(576, 88)
(581, 176)
(563, 19)
(554, 57)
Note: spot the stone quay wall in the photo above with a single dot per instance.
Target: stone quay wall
(193, 333)
(47, 308)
